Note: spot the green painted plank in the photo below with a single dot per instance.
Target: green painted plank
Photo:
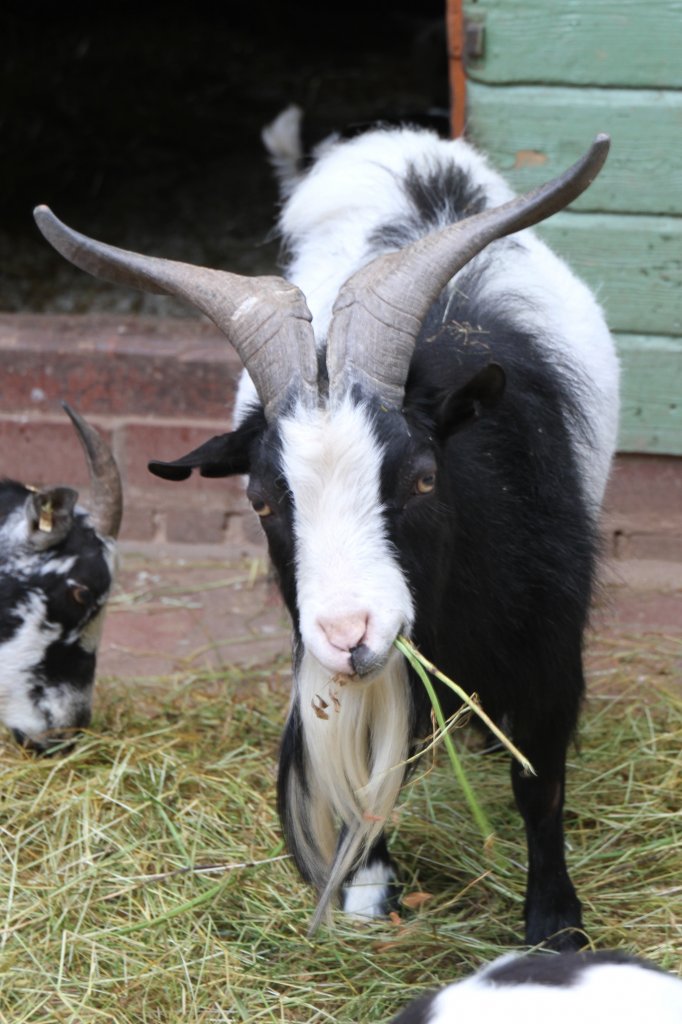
(623, 43)
(532, 133)
(633, 263)
(651, 395)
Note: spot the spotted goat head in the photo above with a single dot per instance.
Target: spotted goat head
(57, 563)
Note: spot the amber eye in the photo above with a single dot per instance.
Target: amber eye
(79, 593)
(261, 508)
(425, 484)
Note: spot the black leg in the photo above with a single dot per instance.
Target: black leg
(552, 909)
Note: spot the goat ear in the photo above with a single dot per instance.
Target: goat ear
(49, 516)
(223, 455)
(460, 407)
(220, 456)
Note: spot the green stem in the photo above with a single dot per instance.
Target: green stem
(476, 809)
(415, 658)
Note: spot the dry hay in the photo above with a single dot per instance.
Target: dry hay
(143, 877)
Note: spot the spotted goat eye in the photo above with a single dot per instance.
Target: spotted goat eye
(79, 593)
(261, 508)
(425, 484)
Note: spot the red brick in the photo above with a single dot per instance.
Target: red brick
(195, 526)
(42, 452)
(138, 443)
(660, 545)
(139, 522)
(116, 366)
(645, 484)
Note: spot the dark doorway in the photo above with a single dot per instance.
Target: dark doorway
(141, 125)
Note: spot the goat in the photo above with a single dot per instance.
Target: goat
(56, 570)
(563, 988)
(428, 457)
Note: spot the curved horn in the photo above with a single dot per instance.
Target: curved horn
(105, 482)
(380, 309)
(266, 319)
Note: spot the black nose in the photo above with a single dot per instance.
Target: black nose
(363, 660)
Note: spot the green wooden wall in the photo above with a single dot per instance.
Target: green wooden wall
(549, 76)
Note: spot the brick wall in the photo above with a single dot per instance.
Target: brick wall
(643, 508)
(159, 387)
(155, 388)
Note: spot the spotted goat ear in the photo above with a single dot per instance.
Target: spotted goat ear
(49, 516)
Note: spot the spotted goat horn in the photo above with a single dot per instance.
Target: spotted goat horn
(105, 483)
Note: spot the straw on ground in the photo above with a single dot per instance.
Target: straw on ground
(143, 878)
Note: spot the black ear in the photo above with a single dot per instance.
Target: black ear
(483, 391)
(223, 455)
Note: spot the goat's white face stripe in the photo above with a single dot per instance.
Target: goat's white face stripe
(347, 573)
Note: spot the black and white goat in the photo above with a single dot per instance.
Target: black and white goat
(56, 570)
(427, 456)
(608, 985)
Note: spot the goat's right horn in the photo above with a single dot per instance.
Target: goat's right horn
(385, 302)
(105, 481)
(266, 319)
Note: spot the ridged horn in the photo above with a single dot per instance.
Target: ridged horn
(266, 319)
(380, 309)
(105, 483)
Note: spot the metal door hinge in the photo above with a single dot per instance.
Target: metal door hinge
(474, 38)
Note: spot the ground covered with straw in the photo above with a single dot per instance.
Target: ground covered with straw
(143, 876)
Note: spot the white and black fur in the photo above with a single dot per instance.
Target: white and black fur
(607, 985)
(490, 572)
(56, 572)
(456, 503)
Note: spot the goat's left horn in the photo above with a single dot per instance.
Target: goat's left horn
(105, 482)
(266, 319)
(380, 309)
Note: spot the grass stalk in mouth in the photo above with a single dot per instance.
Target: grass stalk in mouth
(418, 661)
(422, 666)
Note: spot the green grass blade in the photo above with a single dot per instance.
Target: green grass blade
(469, 795)
(415, 657)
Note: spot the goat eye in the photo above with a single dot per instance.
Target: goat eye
(261, 508)
(79, 593)
(425, 484)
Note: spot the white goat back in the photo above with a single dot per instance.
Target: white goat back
(623, 993)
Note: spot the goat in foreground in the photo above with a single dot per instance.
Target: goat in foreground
(56, 570)
(427, 456)
(608, 985)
